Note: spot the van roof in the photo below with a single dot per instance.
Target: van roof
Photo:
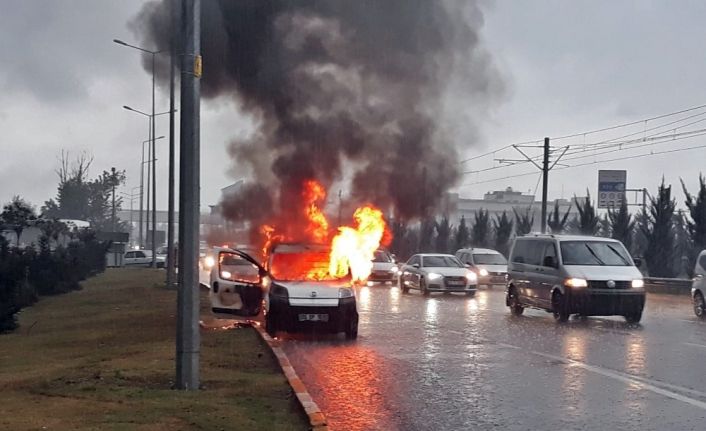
(478, 250)
(568, 237)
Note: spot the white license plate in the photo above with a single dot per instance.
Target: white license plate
(455, 283)
(313, 317)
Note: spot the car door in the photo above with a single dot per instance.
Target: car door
(410, 274)
(533, 261)
(546, 275)
(236, 290)
(141, 258)
(519, 269)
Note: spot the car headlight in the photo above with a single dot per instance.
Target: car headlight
(345, 292)
(575, 282)
(638, 283)
(226, 274)
(209, 261)
(434, 276)
(483, 272)
(394, 269)
(471, 276)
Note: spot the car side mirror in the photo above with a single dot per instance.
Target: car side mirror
(549, 261)
(415, 265)
(638, 261)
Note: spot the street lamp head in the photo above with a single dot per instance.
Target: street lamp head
(119, 42)
(128, 108)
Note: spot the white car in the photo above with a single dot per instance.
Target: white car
(488, 264)
(698, 286)
(437, 273)
(384, 268)
(298, 301)
(142, 258)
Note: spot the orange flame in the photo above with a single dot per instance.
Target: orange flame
(314, 194)
(354, 248)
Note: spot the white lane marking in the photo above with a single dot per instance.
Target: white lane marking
(648, 384)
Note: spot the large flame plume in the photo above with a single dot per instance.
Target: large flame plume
(351, 247)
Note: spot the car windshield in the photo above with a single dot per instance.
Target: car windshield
(594, 253)
(239, 268)
(441, 262)
(489, 259)
(381, 257)
(301, 265)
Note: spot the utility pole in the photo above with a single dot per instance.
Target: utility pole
(545, 168)
(545, 183)
(340, 204)
(188, 342)
(170, 209)
(154, 176)
(142, 193)
(112, 180)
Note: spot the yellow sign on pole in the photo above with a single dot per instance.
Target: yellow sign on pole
(198, 66)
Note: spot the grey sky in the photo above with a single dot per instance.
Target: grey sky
(570, 67)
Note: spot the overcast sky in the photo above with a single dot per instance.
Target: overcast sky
(570, 67)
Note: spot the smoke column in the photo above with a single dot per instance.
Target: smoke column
(333, 84)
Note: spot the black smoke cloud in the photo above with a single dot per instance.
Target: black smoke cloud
(340, 83)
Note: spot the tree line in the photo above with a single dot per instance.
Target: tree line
(668, 240)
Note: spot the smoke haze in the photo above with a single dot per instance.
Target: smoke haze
(342, 85)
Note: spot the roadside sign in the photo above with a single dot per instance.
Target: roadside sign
(611, 188)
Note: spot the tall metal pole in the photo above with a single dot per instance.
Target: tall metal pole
(149, 179)
(545, 181)
(170, 209)
(188, 342)
(112, 217)
(154, 176)
(142, 192)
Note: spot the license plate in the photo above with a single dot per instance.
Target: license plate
(456, 283)
(500, 279)
(313, 317)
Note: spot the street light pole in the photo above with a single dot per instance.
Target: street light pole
(188, 294)
(170, 204)
(154, 176)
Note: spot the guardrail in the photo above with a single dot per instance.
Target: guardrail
(672, 286)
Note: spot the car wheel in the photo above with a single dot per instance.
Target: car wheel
(559, 308)
(633, 317)
(699, 305)
(352, 329)
(401, 285)
(516, 309)
(423, 287)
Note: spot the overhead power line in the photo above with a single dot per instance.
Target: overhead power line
(590, 132)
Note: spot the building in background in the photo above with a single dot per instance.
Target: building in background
(495, 202)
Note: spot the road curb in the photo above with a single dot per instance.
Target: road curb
(317, 418)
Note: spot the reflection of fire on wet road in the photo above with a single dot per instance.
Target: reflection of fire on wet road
(355, 379)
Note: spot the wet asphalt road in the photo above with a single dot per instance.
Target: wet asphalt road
(450, 362)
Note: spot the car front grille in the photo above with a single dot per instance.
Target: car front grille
(604, 284)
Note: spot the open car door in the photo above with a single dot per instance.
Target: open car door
(236, 284)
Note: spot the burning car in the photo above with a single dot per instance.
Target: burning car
(304, 295)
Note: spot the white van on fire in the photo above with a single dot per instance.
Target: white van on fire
(303, 296)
